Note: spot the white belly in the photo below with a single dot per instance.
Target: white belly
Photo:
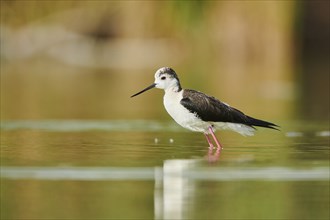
(181, 115)
(188, 120)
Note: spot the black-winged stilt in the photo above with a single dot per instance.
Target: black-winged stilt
(199, 112)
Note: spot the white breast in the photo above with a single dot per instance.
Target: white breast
(180, 114)
(188, 120)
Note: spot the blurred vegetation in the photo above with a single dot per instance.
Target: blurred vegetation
(83, 59)
(70, 59)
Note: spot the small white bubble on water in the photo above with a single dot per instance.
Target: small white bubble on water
(156, 140)
(171, 140)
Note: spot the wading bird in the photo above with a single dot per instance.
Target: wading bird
(199, 112)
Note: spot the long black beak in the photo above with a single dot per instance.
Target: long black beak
(146, 89)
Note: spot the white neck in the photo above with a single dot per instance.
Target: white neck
(174, 89)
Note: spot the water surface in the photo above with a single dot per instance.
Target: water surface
(151, 169)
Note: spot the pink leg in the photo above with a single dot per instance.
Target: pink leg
(213, 157)
(209, 141)
(215, 138)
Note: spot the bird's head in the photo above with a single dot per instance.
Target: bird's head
(165, 78)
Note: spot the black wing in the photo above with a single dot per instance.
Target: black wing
(209, 108)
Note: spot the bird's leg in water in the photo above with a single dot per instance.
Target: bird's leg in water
(215, 138)
(209, 141)
(213, 157)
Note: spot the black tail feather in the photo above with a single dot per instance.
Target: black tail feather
(261, 123)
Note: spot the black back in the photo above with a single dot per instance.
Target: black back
(209, 108)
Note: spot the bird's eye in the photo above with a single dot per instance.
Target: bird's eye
(163, 78)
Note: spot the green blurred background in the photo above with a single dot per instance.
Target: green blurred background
(83, 59)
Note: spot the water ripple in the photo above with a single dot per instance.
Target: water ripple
(89, 125)
(152, 173)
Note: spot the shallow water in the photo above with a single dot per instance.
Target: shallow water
(151, 169)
